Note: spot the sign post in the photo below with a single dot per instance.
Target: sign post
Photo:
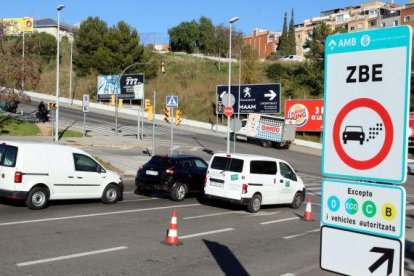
(171, 102)
(85, 109)
(366, 104)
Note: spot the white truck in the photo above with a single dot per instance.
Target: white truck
(267, 130)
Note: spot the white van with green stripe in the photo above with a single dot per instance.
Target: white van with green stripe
(253, 180)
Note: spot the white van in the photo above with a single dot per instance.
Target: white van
(253, 180)
(39, 172)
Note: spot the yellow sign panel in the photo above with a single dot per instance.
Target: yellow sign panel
(16, 26)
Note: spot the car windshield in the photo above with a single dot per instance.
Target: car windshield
(353, 129)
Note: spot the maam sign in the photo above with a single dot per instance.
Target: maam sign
(367, 82)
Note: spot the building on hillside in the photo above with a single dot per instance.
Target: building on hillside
(48, 25)
(407, 15)
(161, 47)
(264, 42)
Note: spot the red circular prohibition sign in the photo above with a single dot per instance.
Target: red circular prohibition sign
(389, 134)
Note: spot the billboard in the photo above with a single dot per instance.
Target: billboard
(132, 87)
(16, 26)
(307, 112)
(411, 130)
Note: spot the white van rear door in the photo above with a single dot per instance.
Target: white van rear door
(288, 182)
(8, 160)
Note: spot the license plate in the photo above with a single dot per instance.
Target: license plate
(216, 184)
(151, 172)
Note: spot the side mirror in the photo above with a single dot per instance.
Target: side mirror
(100, 169)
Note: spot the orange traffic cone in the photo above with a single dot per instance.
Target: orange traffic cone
(308, 210)
(172, 236)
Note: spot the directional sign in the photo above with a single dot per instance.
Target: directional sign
(352, 253)
(85, 103)
(364, 207)
(367, 96)
(254, 98)
(171, 101)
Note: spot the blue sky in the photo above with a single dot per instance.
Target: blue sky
(152, 19)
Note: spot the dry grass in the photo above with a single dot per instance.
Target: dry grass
(194, 80)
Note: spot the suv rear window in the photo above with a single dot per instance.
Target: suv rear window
(8, 155)
(162, 161)
(227, 164)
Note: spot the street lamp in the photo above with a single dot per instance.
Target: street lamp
(231, 21)
(59, 8)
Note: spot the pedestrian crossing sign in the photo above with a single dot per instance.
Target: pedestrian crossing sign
(171, 101)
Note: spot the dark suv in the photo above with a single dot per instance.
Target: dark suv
(176, 175)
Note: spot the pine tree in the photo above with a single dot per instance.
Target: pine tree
(291, 36)
(283, 47)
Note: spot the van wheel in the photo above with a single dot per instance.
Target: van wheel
(179, 192)
(37, 198)
(110, 194)
(297, 201)
(255, 204)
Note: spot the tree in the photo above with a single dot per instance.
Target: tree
(221, 40)
(249, 65)
(184, 37)
(291, 36)
(283, 47)
(42, 45)
(316, 41)
(205, 39)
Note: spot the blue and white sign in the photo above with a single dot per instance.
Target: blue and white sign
(254, 98)
(364, 207)
(366, 104)
(171, 101)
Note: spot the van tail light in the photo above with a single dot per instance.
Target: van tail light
(170, 170)
(244, 188)
(18, 177)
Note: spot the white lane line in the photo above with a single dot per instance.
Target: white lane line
(304, 270)
(72, 256)
(99, 214)
(301, 234)
(410, 195)
(143, 199)
(279, 220)
(212, 215)
(263, 214)
(411, 207)
(206, 233)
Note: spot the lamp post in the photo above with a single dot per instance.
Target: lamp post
(59, 8)
(231, 21)
(70, 72)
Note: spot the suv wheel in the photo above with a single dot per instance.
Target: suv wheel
(110, 194)
(179, 192)
(255, 204)
(37, 198)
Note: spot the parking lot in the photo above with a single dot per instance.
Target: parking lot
(88, 237)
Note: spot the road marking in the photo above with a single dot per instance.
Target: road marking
(279, 220)
(212, 215)
(72, 256)
(263, 214)
(99, 214)
(411, 207)
(206, 233)
(144, 199)
(313, 185)
(301, 234)
(410, 195)
(304, 270)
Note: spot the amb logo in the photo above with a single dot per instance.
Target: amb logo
(300, 113)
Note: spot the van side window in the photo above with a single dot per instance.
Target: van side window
(287, 172)
(84, 163)
(8, 156)
(263, 167)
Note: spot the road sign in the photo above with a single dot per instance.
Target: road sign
(228, 111)
(367, 96)
(171, 101)
(364, 207)
(352, 253)
(254, 98)
(235, 125)
(85, 103)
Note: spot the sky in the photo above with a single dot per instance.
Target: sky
(152, 19)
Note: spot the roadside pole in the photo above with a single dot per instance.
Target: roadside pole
(85, 109)
(138, 121)
(84, 124)
(172, 130)
(53, 122)
(153, 127)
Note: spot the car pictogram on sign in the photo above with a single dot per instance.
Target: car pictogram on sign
(353, 133)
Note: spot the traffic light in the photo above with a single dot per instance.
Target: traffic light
(178, 114)
(112, 102)
(167, 114)
(150, 112)
(163, 67)
(51, 105)
(147, 104)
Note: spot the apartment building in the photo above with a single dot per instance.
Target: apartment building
(264, 42)
(48, 25)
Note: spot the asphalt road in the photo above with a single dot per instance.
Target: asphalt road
(89, 238)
